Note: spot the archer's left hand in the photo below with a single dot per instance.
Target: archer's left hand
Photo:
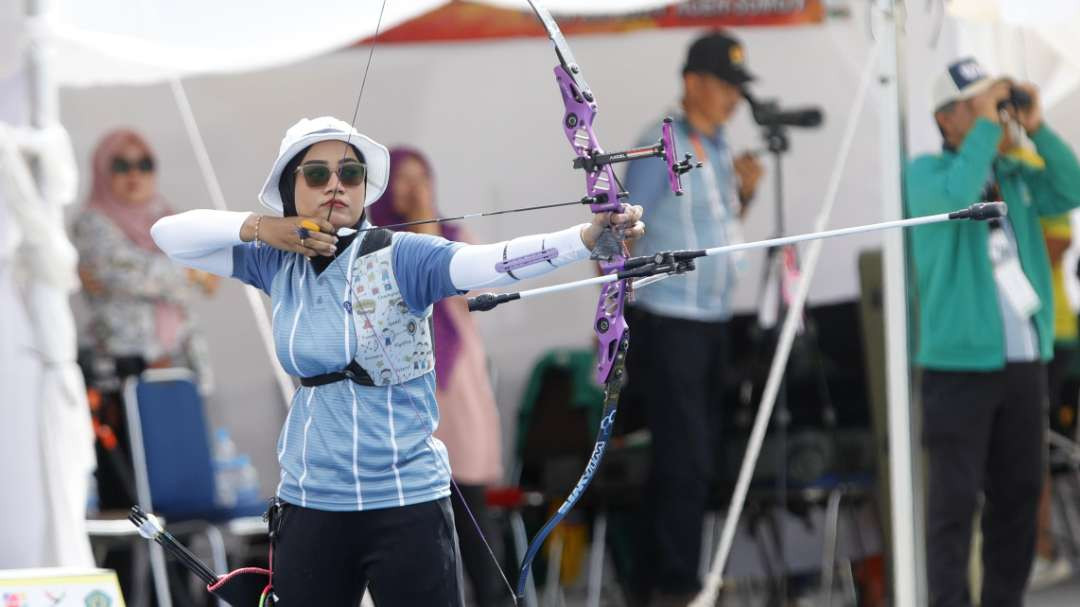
(627, 225)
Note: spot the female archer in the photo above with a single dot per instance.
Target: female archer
(364, 487)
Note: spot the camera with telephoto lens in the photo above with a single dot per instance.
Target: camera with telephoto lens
(1018, 99)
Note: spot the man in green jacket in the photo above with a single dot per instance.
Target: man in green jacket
(985, 326)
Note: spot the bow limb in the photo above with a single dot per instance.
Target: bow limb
(609, 324)
(606, 195)
(607, 422)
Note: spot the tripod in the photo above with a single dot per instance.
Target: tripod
(779, 261)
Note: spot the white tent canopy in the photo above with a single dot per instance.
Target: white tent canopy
(133, 41)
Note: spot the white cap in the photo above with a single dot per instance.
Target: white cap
(327, 128)
(963, 79)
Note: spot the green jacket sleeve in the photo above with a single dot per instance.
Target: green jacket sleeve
(1056, 189)
(944, 183)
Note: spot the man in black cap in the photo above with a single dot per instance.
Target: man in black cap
(679, 325)
(713, 78)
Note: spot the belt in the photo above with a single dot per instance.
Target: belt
(353, 372)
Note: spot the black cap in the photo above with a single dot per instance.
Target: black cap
(721, 55)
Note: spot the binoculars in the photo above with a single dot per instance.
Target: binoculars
(1018, 98)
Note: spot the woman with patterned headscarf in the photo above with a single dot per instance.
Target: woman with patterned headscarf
(138, 298)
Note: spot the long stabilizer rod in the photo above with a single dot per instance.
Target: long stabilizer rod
(650, 269)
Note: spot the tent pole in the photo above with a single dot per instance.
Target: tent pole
(908, 562)
(43, 96)
(792, 320)
(217, 197)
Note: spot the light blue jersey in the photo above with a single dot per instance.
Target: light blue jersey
(346, 446)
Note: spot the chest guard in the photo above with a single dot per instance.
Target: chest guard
(395, 346)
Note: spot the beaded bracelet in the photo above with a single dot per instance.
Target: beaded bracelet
(258, 220)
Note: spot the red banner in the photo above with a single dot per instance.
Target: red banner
(465, 20)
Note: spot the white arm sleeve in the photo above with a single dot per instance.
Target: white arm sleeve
(473, 266)
(202, 239)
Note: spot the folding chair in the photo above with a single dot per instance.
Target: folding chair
(174, 469)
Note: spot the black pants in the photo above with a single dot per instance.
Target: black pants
(487, 585)
(408, 556)
(1062, 390)
(675, 368)
(984, 432)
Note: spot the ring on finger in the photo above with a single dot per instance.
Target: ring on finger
(302, 242)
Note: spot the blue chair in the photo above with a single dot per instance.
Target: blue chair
(174, 466)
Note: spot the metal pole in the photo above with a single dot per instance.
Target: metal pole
(217, 198)
(44, 108)
(907, 528)
(709, 593)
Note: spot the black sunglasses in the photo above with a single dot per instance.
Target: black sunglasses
(350, 173)
(122, 165)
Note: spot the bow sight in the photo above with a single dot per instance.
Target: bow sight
(664, 148)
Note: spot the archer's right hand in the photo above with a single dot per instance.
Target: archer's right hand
(287, 234)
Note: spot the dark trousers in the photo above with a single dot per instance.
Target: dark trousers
(487, 585)
(1062, 390)
(675, 368)
(408, 556)
(985, 433)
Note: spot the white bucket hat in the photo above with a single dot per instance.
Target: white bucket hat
(327, 128)
(963, 79)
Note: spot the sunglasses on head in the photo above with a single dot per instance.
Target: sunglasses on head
(350, 173)
(122, 165)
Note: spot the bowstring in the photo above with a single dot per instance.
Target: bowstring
(416, 409)
(367, 319)
(445, 465)
(356, 108)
